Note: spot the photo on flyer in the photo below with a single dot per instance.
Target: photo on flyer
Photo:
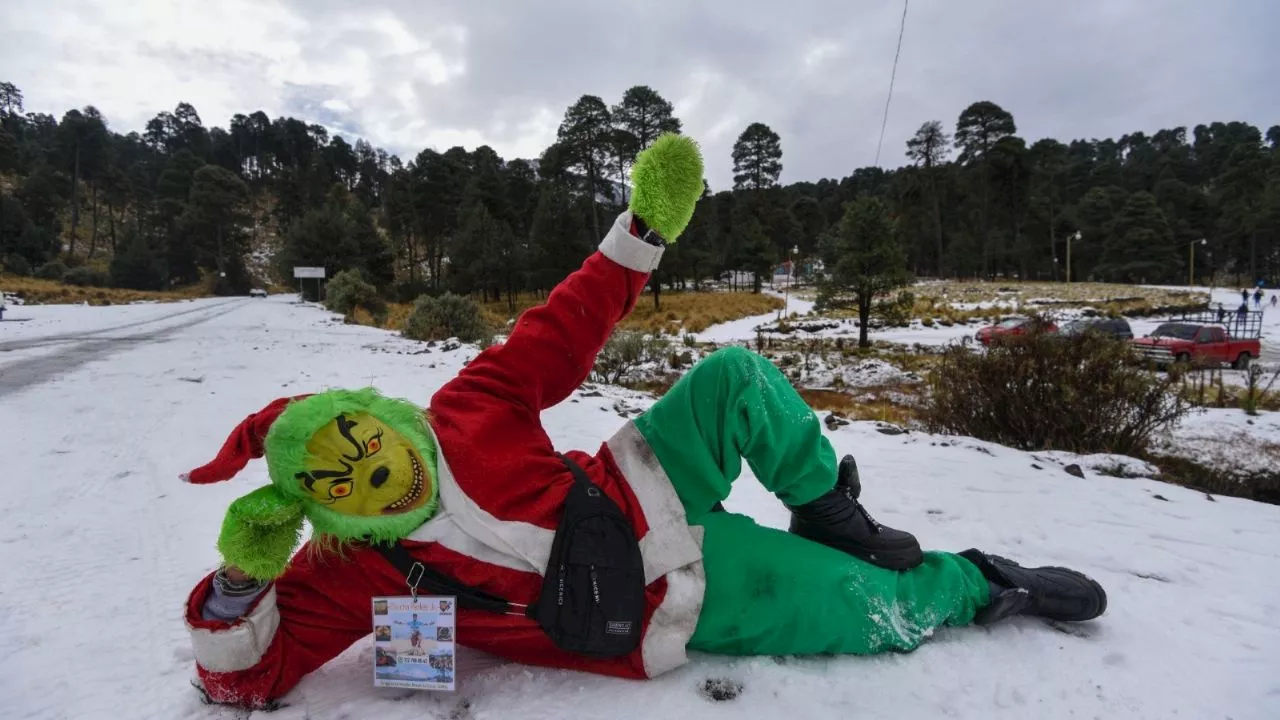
(413, 643)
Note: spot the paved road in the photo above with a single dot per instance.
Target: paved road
(76, 349)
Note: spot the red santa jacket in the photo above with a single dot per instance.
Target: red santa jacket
(501, 491)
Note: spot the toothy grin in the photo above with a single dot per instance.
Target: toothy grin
(415, 490)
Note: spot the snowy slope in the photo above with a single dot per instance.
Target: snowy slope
(100, 543)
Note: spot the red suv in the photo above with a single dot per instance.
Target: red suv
(1013, 327)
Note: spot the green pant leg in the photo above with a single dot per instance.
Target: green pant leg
(773, 593)
(733, 405)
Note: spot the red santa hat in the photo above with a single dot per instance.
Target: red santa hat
(244, 444)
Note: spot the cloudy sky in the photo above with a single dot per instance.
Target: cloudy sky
(408, 74)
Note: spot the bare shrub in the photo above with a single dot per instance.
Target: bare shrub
(1047, 392)
(625, 353)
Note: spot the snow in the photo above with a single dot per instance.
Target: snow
(745, 328)
(1228, 440)
(101, 544)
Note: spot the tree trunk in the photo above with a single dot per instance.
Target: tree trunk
(413, 260)
(1053, 240)
(93, 222)
(1253, 256)
(864, 316)
(937, 224)
(985, 229)
(656, 286)
(591, 189)
(75, 201)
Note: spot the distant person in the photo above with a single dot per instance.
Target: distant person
(1242, 315)
(1273, 299)
(1257, 298)
(1222, 314)
(1244, 295)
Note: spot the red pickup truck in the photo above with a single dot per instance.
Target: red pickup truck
(1189, 342)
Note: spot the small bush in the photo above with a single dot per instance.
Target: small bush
(349, 290)
(446, 316)
(625, 352)
(54, 270)
(17, 265)
(86, 276)
(1043, 392)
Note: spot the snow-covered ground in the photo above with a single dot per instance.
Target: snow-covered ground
(746, 329)
(100, 544)
(1228, 440)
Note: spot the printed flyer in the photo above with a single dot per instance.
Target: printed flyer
(413, 642)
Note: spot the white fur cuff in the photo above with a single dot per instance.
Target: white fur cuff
(629, 251)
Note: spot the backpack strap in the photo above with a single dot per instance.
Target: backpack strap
(419, 577)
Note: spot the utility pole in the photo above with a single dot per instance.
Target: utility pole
(1073, 236)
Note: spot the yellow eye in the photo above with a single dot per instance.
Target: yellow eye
(374, 446)
(340, 489)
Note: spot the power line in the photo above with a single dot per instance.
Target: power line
(892, 76)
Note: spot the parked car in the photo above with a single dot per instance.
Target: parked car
(1012, 327)
(1183, 342)
(1117, 328)
(257, 292)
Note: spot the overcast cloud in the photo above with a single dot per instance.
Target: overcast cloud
(408, 74)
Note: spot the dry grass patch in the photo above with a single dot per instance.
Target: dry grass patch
(35, 291)
(681, 312)
(935, 303)
(1106, 297)
(884, 404)
(693, 312)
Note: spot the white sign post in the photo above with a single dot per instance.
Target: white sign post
(309, 272)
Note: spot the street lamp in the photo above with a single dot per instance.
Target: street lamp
(1191, 248)
(1073, 236)
(791, 265)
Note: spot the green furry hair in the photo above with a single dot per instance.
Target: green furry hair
(667, 180)
(262, 528)
(286, 453)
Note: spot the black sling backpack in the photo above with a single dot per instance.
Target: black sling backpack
(592, 597)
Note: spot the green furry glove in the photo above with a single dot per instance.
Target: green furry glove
(260, 531)
(667, 178)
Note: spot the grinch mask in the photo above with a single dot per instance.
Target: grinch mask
(357, 465)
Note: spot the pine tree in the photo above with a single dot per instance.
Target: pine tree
(585, 137)
(1140, 246)
(864, 258)
(638, 120)
(757, 158)
(978, 129)
(214, 222)
(557, 236)
(755, 252)
(929, 147)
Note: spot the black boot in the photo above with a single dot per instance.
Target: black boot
(839, 521)
(1049, 592)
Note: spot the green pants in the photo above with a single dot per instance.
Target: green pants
(770, 592)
